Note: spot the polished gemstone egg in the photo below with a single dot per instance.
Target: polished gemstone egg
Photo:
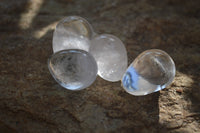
(151, 71)
(73, 69)
(72, 32)
(110, 55)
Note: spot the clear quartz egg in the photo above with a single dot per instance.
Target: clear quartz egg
(72, 32)
(151, 71)
(73, 69)
(110, 55)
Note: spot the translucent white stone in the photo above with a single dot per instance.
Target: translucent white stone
(151, 71)
(73, 69)
(110, 55)
(72, 32)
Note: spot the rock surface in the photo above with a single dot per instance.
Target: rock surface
(32, 102)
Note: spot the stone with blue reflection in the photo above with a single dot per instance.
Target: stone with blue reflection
(151, 71)
(73, 69)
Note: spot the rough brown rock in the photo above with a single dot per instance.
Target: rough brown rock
(32, 102)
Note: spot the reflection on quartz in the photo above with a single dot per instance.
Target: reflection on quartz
(73, 69)
(151, 71)
(135, 84)
(72, 32)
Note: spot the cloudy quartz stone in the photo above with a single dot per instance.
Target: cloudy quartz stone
(110, 55)
(72, 32)
(73, 69)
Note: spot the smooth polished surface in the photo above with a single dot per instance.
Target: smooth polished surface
(32, 102)
(151, 71)
(110, 55)
(72, 32)
(73, 69)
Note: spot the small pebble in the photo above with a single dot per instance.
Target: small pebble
(110, 55)
(73, 69)
(72, 32)
(150, 72)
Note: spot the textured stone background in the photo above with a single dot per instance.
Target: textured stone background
(32, 102)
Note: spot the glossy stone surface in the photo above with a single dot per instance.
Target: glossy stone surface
(151, 71)
(72, 32)
(32, 102)
(73, 69)
(111, 56)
